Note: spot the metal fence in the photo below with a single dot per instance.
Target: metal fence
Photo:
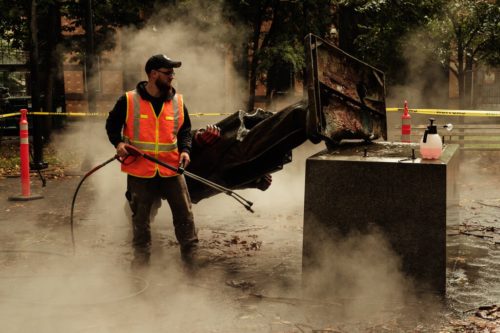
(11, 56)
(486, 89)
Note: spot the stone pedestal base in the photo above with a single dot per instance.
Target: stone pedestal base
(358, 188)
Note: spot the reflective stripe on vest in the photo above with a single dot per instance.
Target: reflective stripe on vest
(154, 135)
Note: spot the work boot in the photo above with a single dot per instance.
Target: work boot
(188, 253)
(140, 260)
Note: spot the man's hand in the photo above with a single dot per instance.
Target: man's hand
(184, 159)
(208, 135)
(121, 151)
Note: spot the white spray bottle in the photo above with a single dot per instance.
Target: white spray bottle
(431, 145)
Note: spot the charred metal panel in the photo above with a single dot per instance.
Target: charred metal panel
(346, 96)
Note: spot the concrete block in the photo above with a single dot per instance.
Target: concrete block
(409, 200)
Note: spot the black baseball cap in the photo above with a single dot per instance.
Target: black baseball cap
(161, 61)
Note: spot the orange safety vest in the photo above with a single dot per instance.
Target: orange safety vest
(154, 135)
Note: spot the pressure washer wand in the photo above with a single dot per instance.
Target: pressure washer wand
(136, 152)
(133, 151)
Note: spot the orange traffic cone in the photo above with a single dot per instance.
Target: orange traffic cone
(406, 125)
(25, 161)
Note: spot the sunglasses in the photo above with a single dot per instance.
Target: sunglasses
(170, 73)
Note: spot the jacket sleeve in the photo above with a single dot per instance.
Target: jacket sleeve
(116, 120)
(184, 136)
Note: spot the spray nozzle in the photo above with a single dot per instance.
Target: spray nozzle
(432, 129)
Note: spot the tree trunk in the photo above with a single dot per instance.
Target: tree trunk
(255, 57)
(468, 80)
(51, 62)
(37, 163)
(90, 74)
(59, 70)
(90, 56)
(347, 28)
(460, 69)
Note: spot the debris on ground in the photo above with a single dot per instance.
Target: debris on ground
(491, 312)
(241, 284)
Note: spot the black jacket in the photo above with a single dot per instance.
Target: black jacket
(117, 116)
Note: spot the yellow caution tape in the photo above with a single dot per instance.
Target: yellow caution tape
(69, 114)
(209, 114)
(7, 115)
(93, 114)
(471, 113)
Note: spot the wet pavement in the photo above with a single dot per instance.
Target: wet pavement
(473, 246)
(247, 277)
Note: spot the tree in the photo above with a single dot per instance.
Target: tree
(25, 23)
(458, 34)
(275, 44)
(467, 32)
(375, 31)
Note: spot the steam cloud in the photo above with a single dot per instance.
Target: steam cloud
(174, 301)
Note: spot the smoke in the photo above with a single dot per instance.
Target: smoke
(96, 291)
(426, 84)
(356, 280)
(82, 294)
(206, 77)
(359, 271)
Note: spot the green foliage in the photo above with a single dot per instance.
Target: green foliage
(282, 54)
(14, 22)
(107, 17)
(281, 27)
(382, 29)
(468, 27)
(465, 33)
(448, 29)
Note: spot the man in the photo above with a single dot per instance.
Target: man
(154, 118)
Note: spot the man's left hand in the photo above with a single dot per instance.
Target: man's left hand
(184, 159)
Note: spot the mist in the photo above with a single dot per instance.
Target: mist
(251, 277)
(206, 78)
(426, 84)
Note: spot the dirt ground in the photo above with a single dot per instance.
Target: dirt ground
(248, 276)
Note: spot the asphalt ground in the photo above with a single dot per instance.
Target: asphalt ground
(248, 277)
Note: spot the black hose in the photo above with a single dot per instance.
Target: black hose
(76, 193)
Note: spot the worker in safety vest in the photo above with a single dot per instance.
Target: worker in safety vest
(154, 118)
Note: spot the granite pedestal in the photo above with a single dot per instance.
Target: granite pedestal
(356, 187)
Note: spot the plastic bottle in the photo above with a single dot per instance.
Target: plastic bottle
(431, 145)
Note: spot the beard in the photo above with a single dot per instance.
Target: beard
(163, 87)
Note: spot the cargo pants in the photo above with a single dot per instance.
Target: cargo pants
(145, 193)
